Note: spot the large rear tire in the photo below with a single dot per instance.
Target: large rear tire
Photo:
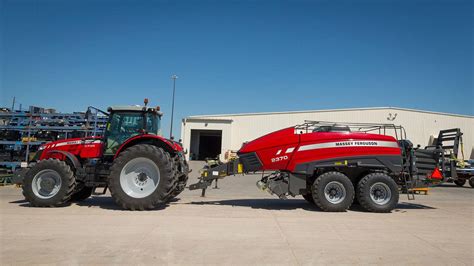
(141, 177)
(49, 183)
(181, 177)
(471, 181)
(333, 192)
(377, 192)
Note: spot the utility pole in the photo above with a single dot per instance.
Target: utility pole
(174, 77)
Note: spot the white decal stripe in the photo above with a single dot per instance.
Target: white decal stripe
(289, 150)
(77, 142)
(349, 143)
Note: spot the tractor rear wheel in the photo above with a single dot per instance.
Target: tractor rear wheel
(377, 192)
(141, 177)
(49, 183)
(471, 181)
(181, 170)
(333, 192)
(460, 182)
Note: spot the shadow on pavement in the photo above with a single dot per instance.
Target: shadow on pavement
(293, 204)
(267, 204)
(106, 203)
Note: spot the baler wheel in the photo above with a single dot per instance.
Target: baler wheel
(49, 183)
(377, 192)
(471, 181)
(460, 182)
(333, 192)
(141, 177)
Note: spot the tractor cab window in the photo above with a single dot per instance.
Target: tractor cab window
(153, 124)
(121, 127)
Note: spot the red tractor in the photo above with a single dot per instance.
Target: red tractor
(333, 165)
(140, 168)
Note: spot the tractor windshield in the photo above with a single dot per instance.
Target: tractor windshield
(124, 125)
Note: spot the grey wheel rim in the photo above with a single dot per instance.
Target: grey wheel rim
(46, 184)
(380, 193)
(334, 192)
(139, 177)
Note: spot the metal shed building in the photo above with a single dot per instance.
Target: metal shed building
(207, 136)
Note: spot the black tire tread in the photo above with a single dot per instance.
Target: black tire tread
(181, 179)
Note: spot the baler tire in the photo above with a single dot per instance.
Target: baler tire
(367, 184)
(340, 181)
(471, 181)
(460, 182)
(160, 160)
(82, 194)
(32, 182)
(308, 198)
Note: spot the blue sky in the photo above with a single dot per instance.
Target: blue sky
(238, 56)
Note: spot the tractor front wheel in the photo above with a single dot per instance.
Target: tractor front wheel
(471, 181)
(333, 192)
(141, 177)
(49, 183)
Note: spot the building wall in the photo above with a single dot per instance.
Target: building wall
(420, 126)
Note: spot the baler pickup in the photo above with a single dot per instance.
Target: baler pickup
(210, 174)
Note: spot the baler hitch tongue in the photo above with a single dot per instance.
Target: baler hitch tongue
(208, 175)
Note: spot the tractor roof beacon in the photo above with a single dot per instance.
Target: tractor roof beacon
(334, 164)
(140, 168)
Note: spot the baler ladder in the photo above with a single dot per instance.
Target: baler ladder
(408, 179)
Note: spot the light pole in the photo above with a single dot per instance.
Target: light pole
(174, 77)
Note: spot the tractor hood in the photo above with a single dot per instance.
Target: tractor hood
(278, 138)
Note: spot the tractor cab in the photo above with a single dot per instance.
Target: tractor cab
(129, 121)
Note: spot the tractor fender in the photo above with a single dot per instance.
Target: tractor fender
(167, 145)
(72, 158)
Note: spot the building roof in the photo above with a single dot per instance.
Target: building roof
(227, 116)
